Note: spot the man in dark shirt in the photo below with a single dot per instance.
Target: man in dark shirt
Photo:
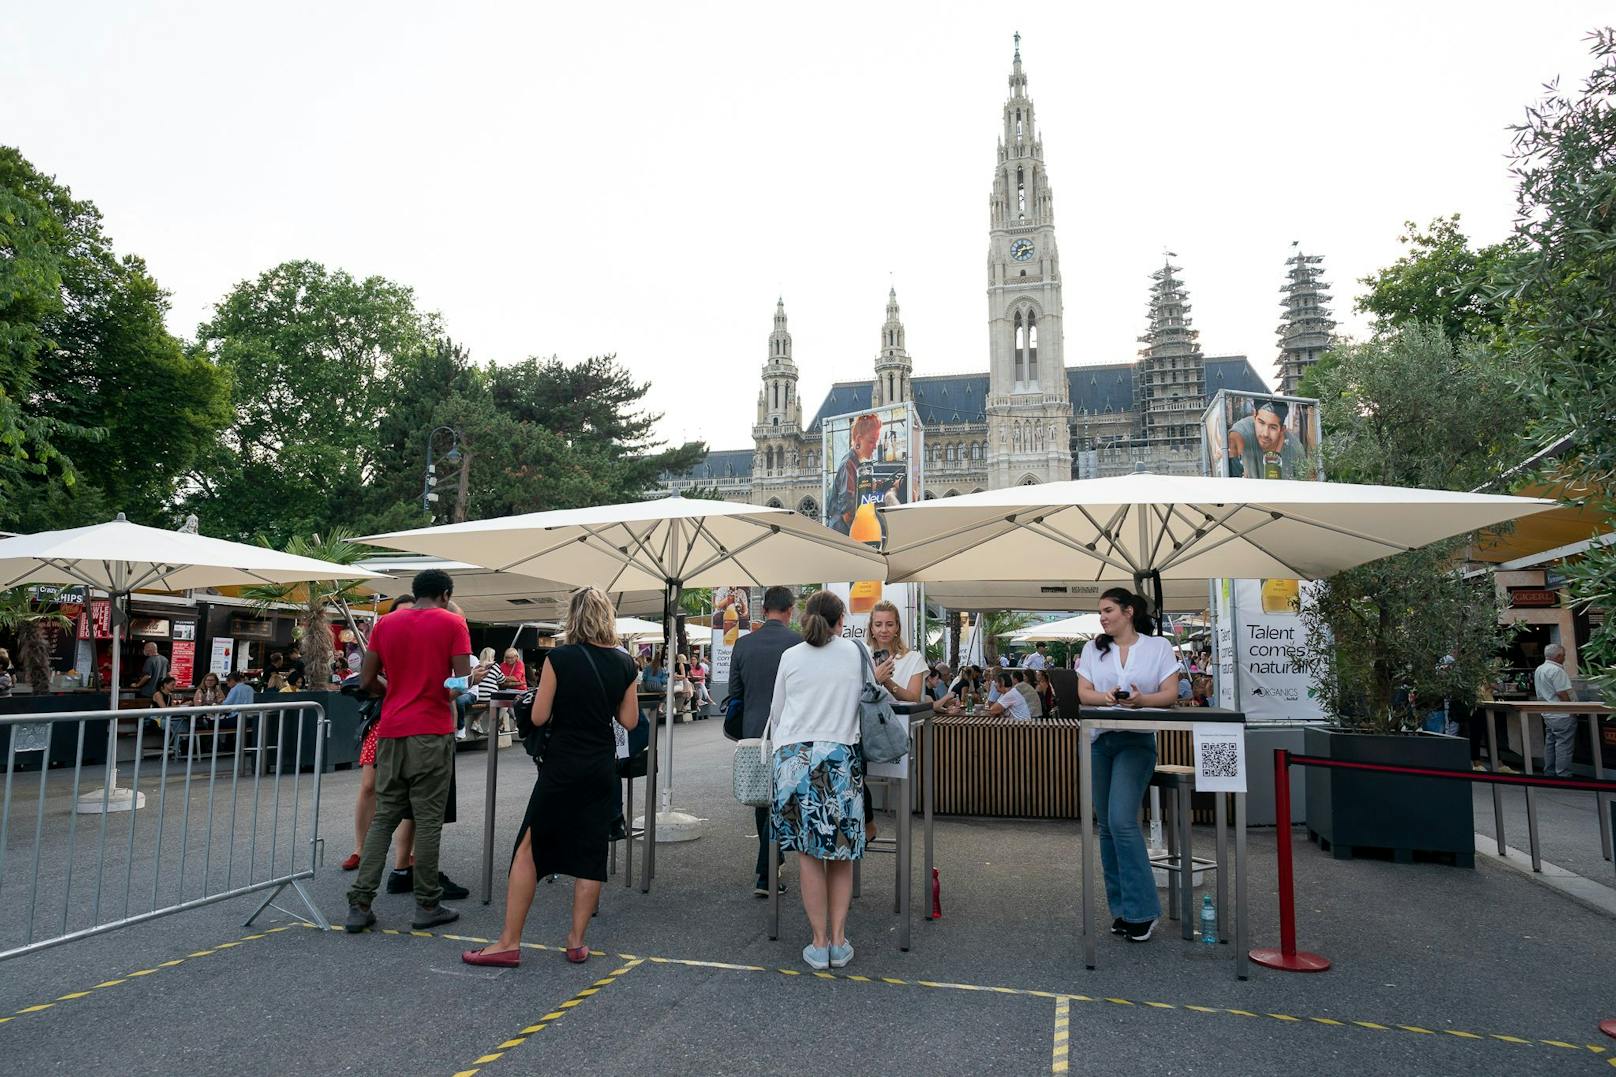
(752, 667)
(151, 673)
(296, 670)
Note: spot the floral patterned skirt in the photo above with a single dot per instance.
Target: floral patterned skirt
(819, 799)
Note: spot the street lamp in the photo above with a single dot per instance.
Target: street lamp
(429, 488)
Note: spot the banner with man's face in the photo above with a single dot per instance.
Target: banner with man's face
(1254, 436)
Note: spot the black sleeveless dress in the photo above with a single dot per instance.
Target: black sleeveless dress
(576, 796)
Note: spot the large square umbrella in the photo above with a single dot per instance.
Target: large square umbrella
(120, 557)
(671, 543)
(1151, 528)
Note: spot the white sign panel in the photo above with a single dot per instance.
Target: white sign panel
(1270, 645)
(1220, 757)
(219, 659)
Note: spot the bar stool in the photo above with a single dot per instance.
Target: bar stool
(1177, 783)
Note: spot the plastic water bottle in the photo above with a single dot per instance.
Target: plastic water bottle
(1209, 921)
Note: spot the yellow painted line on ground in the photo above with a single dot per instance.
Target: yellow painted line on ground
(544, 1022)
(1062, 997)
(73, 996)
(1060, 1058)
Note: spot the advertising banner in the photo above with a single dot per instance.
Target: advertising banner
(96, 621)
(1259, 643)
(183, 663)
(219, 659)
(870, 458)
(733, 611)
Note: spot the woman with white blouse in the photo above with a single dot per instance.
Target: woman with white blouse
(1127, 666)
(818, 808)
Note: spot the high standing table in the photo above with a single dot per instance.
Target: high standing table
(1521, 709)
(1148, 720)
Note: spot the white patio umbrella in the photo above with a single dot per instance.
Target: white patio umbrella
(120, 557)
(671, 544)
(1155, 528)
(635, 628)
(1083, 626)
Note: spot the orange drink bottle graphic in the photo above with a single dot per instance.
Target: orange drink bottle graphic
(867, 529)
(1281, 596)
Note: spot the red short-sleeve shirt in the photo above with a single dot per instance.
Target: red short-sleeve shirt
(417, 648)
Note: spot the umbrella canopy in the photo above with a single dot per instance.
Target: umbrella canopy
(499, 598)
(119, 557)
(635, 628)
(648, 545)
(1083, 626)
(1177, 528)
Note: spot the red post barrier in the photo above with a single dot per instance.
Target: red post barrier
(1608, 1027)
(936, 895)
(1286, 958)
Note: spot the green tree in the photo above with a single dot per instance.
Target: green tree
(315, 600)
(995, 626)
(24, 620)
(1441, 280)
(127, 406)
(1565, 288)
(32, 241)
(1408, 409)
(308, 352)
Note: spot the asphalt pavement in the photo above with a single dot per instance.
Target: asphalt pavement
(1436, 969)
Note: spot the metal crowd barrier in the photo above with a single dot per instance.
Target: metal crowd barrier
(192, 808)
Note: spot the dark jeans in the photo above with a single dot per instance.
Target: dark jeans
(763, 833)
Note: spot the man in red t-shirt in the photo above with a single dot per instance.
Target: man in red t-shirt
(412, 652)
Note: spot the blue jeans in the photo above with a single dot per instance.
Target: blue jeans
(1123, 765)
(463, 703)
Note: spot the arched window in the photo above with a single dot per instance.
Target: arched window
(1021, 347)
(768, 458)
(1032, 347)
(808, 507)
(1021, 195)
(774, 503)
(776, 386)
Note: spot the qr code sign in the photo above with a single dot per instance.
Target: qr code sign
(1219, 759)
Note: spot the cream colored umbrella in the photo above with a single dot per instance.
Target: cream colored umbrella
(120, 557)
(1068, 629)
(1157, 529)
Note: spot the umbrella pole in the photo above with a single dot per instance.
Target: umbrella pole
(109, 798)
(670, 636)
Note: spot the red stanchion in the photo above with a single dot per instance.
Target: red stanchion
(936, 895)
(1287, 958)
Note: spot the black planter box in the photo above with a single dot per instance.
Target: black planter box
(1355, 812)
(340, 750)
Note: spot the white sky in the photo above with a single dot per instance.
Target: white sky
(645, 179)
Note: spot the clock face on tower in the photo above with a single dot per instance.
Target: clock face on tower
(1021, 250)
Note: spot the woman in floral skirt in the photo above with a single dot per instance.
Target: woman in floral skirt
(818, 774)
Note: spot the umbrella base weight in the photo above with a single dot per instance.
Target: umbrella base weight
(1300, 961)
(673, 826)
(116, 800)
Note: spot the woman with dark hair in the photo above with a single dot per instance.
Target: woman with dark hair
(818, 809)
(1126, 666)
(582, 686)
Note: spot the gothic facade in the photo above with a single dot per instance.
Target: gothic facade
(1029, 418)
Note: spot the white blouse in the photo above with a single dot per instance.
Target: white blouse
(1150, 662)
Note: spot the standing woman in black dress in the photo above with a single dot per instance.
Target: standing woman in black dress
(585, 684)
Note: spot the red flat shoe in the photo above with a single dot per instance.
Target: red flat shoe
(351, 863)
(505, 959)
(577, 954)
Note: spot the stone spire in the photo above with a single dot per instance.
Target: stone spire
(1170, 377)
(1304, 335)
(893, 366)
(778, 405)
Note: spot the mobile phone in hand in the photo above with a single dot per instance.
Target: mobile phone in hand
(1122, 693)
(880, 656)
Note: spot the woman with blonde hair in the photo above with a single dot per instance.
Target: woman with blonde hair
(818, 809)
(585, 684)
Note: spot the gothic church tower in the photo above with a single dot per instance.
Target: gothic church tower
(1029, 410)
(893, 366)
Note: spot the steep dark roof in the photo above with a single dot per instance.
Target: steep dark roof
(950, 399)
(721, 464)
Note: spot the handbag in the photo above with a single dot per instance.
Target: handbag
(883, 735)
(753, 778)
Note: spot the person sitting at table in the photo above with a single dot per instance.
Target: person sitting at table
(1046, 694)
(515, 672)
(1035, 706)
(1127, 666)
(1008, 702)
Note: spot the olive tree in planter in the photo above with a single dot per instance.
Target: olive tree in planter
(1392, 639)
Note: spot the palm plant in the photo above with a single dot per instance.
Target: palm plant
(20, 617)
(997, 624)
(315, 600)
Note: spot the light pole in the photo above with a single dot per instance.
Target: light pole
(429, 488)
